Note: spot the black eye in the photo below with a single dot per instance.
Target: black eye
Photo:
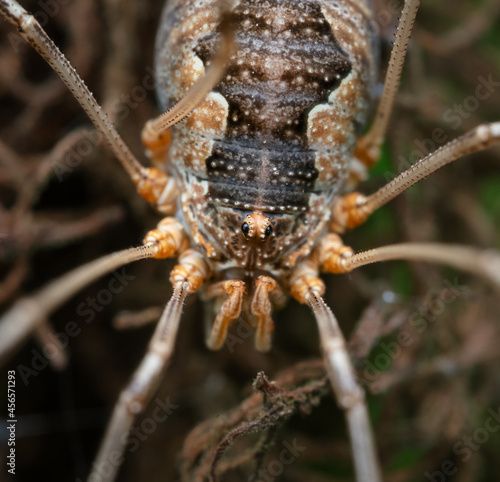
(245, 229)
(268, 231)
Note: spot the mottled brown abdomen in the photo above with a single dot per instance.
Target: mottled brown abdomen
(279, 130)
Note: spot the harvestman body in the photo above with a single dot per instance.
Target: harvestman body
(270, 99)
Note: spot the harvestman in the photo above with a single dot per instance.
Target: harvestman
(193, 269)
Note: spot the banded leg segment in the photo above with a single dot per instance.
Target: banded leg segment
(230, 310)
(334, 257)
(169, 237)
(186, 278)
(307, 287)
(354, 208)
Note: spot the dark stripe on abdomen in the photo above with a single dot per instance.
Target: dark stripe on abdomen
(287, 62)
(261, 179)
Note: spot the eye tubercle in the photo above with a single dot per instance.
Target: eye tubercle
(256, 225)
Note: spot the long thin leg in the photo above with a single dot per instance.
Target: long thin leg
(46, 335)
(28, 313)
(127, 320)
(167, 240)
(334, 257)
(307, 287)
(186, 278)
(368, 146)
(33, 33)
(154, 185)
(353, 209)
